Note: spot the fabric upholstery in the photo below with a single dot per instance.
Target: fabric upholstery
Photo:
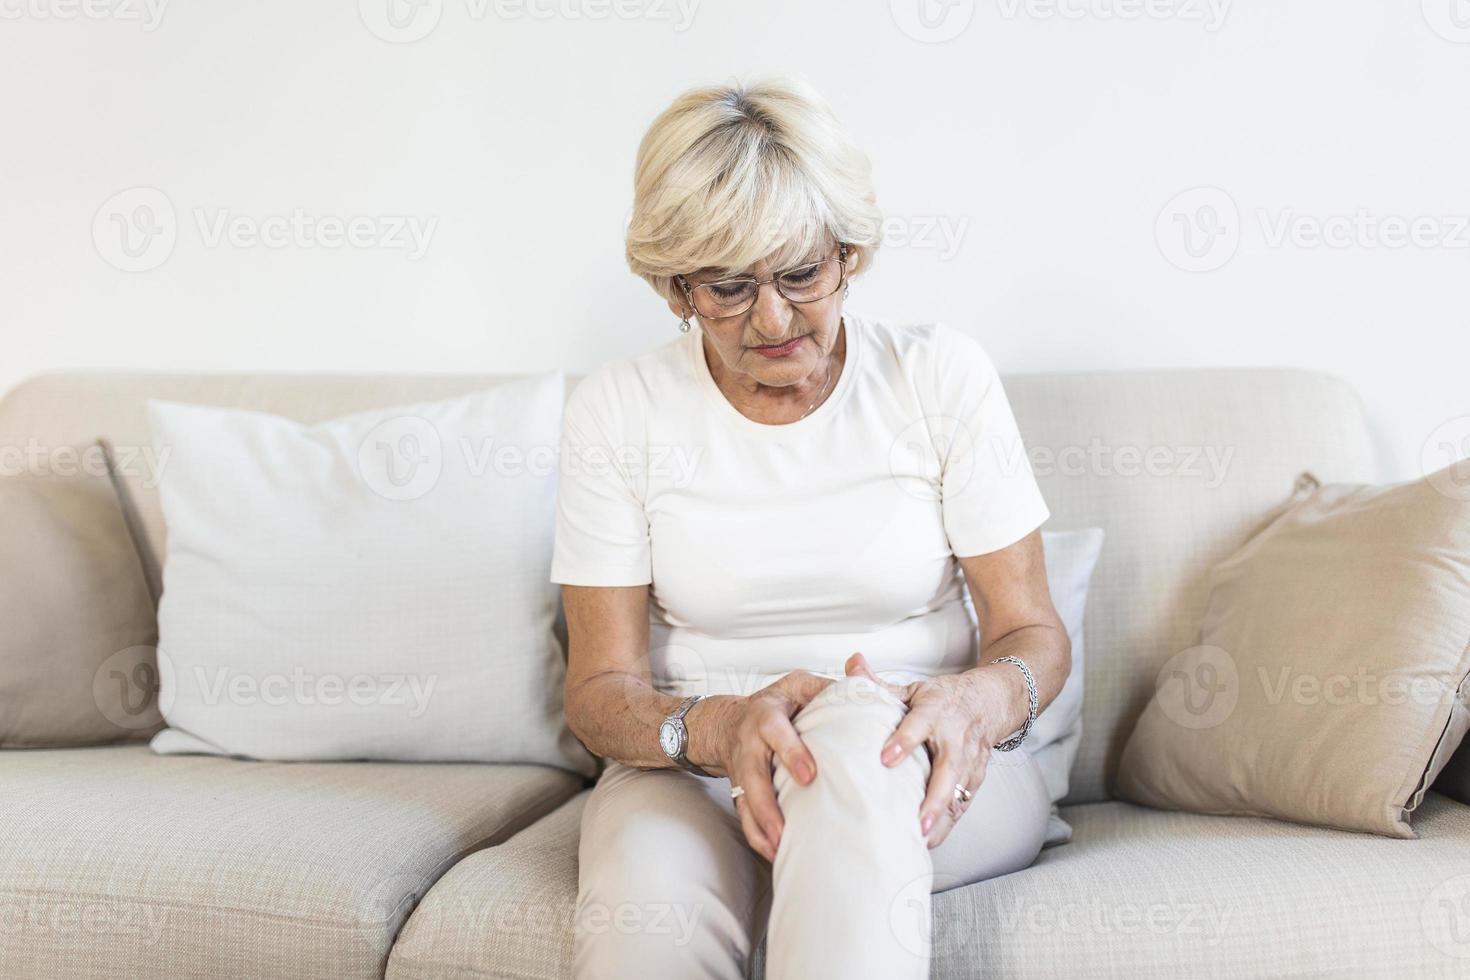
(1146, 894)
(117, 862)
(1178, 467)
(506, 912)
(77, 626)
(1329, 681)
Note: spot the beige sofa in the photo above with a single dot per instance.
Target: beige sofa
(115, 862)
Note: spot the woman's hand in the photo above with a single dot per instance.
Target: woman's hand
(959, 718)
(760, 730)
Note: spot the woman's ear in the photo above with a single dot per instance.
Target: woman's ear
(680, 309)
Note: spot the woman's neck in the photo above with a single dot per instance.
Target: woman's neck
(781, 404)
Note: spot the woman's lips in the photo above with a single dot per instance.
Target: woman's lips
(778, 351)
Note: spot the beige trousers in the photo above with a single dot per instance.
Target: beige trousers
(669, 889)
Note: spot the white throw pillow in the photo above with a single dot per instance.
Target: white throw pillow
(1070, 558)
(372, 587)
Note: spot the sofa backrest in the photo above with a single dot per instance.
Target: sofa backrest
(1179, 467)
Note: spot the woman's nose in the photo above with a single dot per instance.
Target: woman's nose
(771, 313)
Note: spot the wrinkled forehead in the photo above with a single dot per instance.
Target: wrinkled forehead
(792, 254)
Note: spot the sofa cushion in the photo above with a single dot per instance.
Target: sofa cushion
(77, 629)
(1329, 683)
(503, 912)
(119, 862)
(1139, 893)
(370, 587)
(1152, 894)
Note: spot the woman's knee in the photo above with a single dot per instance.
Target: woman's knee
(845, 728)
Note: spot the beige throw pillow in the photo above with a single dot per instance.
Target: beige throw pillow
(1329, 685)
(77, 652)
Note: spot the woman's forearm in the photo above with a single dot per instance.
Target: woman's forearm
(617, 715)
(1047, 651)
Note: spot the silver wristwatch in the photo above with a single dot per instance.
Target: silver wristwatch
(673, 737)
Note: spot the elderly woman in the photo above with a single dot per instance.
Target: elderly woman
(764, 532)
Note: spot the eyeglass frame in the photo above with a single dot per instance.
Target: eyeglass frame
(841, 261)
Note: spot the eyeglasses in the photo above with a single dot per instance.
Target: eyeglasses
(804, 284)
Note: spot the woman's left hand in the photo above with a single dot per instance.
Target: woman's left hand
(955, 716)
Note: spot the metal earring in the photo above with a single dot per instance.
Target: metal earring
(684, 325)
(847, 288)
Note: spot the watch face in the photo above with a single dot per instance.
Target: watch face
(668, 737)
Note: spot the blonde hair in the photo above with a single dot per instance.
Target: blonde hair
(729, 175)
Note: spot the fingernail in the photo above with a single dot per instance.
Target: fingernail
(803, 773)
(891, 752)
(926, 824)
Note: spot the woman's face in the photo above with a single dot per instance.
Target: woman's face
(773, 322)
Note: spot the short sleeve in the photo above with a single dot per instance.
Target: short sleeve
(990, 498)
(601, 535)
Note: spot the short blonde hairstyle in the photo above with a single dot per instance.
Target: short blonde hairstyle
(731, 174)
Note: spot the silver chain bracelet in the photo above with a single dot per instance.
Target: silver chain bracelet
(1031, 700)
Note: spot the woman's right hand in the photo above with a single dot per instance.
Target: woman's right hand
(761, 731)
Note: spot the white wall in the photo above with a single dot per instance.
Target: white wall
(1052, 135)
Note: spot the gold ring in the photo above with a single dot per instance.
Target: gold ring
(961, 794)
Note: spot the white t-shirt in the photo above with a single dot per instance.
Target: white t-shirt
(772, 548)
